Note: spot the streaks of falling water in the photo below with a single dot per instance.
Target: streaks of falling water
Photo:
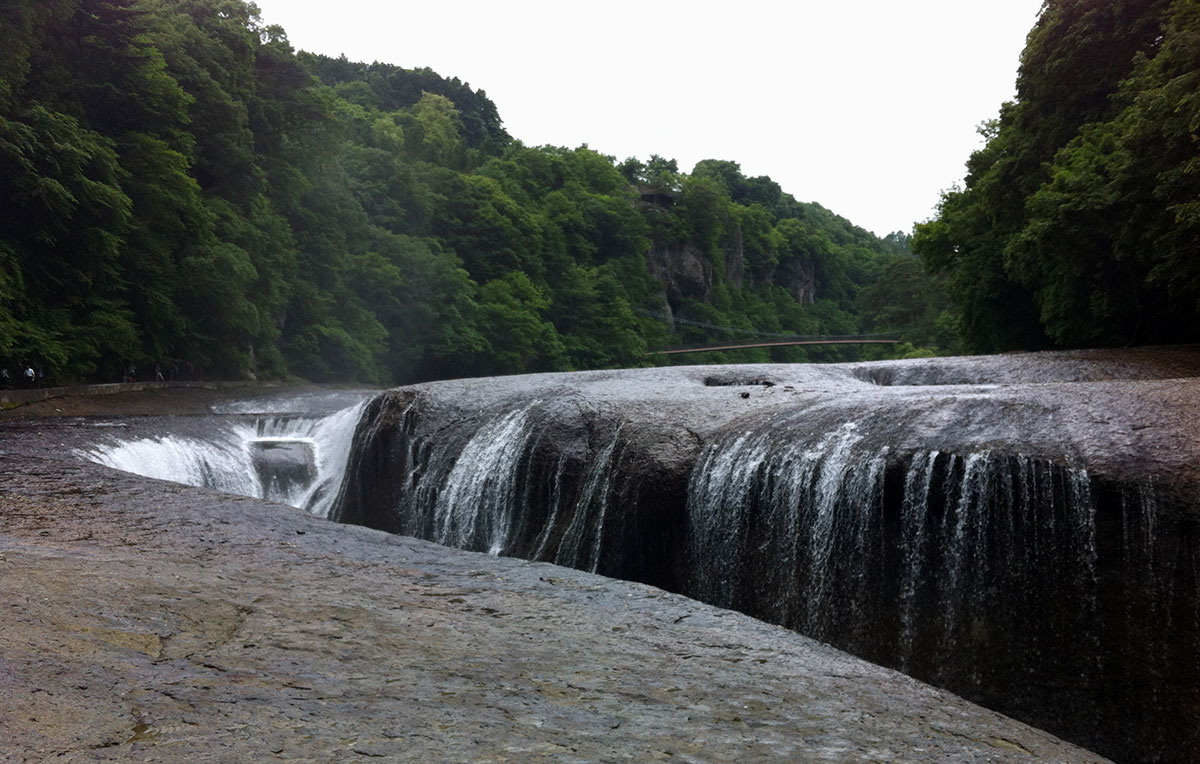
(720, 492)
(800, 534)
(1012, 529)
(333, 438)
(590, 509)
(914, 511)
(970, 521)
(803, 508)
(484, 491)
(556, 501)
(841, 500)
(217, 462)
(480, 495)
(476, 507)
(222, 459)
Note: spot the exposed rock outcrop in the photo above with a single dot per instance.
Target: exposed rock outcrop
(686, 271)
(683, 272)
(151, 622)
(1051, 568)
(799, 278)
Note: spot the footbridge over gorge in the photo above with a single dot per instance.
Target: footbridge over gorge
(757, 339)
(864, 339)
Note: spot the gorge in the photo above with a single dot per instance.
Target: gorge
(1019, 529)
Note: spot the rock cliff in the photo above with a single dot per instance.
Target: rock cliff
(150, 622)
(1020, 529)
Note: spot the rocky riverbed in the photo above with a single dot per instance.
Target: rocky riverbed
(1020, 529)
(151, 622)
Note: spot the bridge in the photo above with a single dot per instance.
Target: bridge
(780, 343)
(832, 340)
(767, 339)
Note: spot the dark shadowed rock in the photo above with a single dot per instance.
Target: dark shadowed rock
(283, 464)
(1056, 574)
(152, 622)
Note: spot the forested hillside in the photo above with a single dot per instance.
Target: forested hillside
(179, 187)
(1079, 222)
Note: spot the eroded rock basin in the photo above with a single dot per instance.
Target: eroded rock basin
(145, 621)
(1020, 529)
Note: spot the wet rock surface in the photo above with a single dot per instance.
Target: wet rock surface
(150, 622)
(283, 463)
(1127, 414)
(1078, 610)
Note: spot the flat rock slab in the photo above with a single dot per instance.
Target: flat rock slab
(150, 622)
(1127, 415)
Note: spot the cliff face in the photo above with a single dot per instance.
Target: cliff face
(687, 272)
(152, 622)
(799, 278)
(1020, 529)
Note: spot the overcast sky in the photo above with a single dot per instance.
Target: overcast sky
(869, 107)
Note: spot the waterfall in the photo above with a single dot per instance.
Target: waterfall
(296, 460)
(785, 525)
(1022, 581)
(478, 503)
(588, 510)
(899, 557)
(501, 484)
(1019, 582)
(997, 575)
(460, 486)
(917, 482)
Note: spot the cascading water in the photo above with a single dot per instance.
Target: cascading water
(981, 572)
(785, 526)
(583, 541)
(501, 485)
(296, 460)
(478, 501)
(906, 527)
(885, 554)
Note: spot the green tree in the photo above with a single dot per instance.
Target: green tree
(1075, 58)
(437, 135)
(512, 321)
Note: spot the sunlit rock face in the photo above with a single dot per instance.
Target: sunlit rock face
(1020, 529)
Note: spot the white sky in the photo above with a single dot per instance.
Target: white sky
(868, 107)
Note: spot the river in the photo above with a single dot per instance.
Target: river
(1017, 529)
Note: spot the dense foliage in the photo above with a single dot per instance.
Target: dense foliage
(181, 188)
(1079, 220)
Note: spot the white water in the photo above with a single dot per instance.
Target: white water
(796, 529)
(482, 489)
(799, 510)
(592, 506)
(222, 458)
(915, 507)
(476, 507)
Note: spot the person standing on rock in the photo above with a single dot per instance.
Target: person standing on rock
(29, 376)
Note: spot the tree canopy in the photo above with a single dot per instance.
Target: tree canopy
(1076, 225)
(181, 188)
